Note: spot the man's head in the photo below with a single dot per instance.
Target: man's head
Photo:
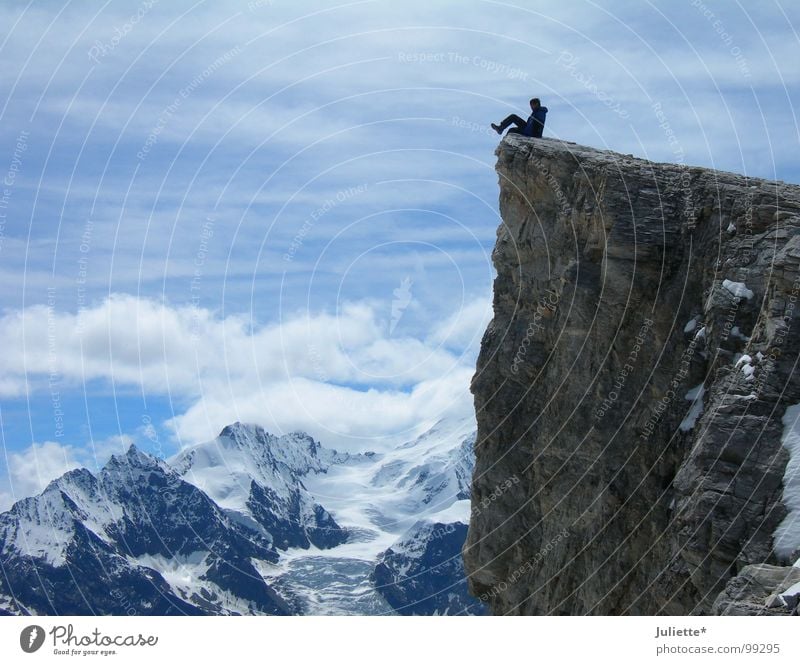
(535, 103)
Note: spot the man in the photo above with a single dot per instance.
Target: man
(534, 125)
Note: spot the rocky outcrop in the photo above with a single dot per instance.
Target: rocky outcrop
(760, 589)
(632, 381)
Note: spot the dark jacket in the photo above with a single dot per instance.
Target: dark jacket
(535, 124)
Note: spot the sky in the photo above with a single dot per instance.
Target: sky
(284, 213)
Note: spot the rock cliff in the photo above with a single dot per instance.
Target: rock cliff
(632, 386)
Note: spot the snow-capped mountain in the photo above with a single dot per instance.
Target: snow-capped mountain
(248, 523)
(92, 544)
(385, 504)
(423, 573)
(257, 479)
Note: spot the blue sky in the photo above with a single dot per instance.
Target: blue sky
(284, 212)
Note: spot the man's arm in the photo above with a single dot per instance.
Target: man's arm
(540, 116)
(529, 125)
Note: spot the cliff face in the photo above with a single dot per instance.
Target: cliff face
(630, 388)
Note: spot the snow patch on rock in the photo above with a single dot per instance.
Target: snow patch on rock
(787, 535)
(695, 396)
(737, 289)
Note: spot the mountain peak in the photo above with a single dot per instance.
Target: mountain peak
(236, 429)
(80, 477)
(134, 458)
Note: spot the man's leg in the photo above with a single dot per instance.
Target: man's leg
(513, 118)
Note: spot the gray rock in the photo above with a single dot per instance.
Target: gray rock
(626, 503)
(757, 590)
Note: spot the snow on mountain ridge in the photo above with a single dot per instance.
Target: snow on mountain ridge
(83, 543)
(258, 477)
(297, 451)
(45, 525)
(427, 475)
(197, 533)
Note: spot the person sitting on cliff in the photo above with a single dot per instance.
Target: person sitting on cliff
(534, 126)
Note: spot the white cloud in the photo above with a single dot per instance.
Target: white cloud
(30, 470)
(343, 373)
(464, 327)
(339, 416)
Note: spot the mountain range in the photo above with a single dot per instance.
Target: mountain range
(249, 523)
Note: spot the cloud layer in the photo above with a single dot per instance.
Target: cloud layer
(342, 375)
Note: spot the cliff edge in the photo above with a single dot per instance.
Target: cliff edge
(634, 389)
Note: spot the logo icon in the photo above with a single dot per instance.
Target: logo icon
(31, 638)
(402, 299)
